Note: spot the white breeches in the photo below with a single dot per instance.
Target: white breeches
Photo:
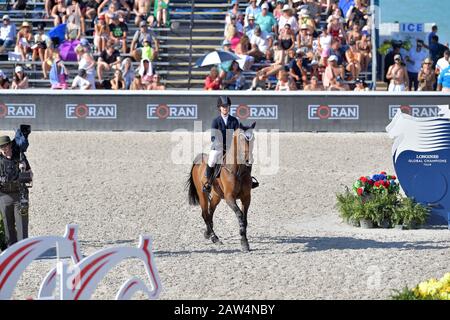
(214, 156)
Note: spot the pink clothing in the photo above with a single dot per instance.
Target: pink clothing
(235, 40)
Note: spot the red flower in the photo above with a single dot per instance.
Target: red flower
(371, 182)
(363, 179)
(383, 172)
(385, 183)
(360, 191)
(377, 183)
(393, 177)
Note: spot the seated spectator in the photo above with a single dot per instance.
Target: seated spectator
(115, 7)
(142, 11)
(248, 29)
(358, 14)
(40, 44)
(296, 70)
(336, 29)
(80, 81)
(161, 13)
(332, 71)
(336, 49)
(304, 39)
(252, 10)
(127, 72)
(338, 84)
(259, 82)
(360, 85)
(234, 79)
(353, 58)
(232, 35)
(324, 44)
(101, 34)
(284, 82)
(59, 12)
(140, 36)
(314, 10)
(118, 82)
(443, 62)
(91, 8)
(354, 35)
(75, 12)
(7, 34)
(4, 81)
(278, 11)
(224, 67)
(156, 83)
(305, 19)
(146, 72)
(242, 49)
(213, 81)
(266, 20)
(313, 85)
(19, 5)
(136, 84)
(261, 43)
(364, 47)
(20, 79)
(24, 40)
(73, 27)
(279, 60)
(118, 32)
(58, 73)
(288, 18)
(286, 37)
(233, 13)
(398, 76)
(427, 76)
(108, 59)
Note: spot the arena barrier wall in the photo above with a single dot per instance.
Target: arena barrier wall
(169, 110)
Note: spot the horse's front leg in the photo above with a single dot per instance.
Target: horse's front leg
(242, 223)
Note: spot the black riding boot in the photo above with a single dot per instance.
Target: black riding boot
(208, 174)
(255, 182)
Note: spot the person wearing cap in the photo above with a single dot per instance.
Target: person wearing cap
(20, 79)
(222, 129)
(389, 60)
(304, 38)
(332, 71)
(224, 67)
(266, 20)
(304, 18)
(360, 85)
(427, 76)
(248, 29)
(397, 75)
(287, 17)
(413, 61)
(15, 217)
(24, 39)
(118, 32)
(7, 33)
(444, 80)
(252, 10)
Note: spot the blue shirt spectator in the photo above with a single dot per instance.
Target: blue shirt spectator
(266, 20)
(7, 33)
(436, 49)
(444, 80)
(433, 32)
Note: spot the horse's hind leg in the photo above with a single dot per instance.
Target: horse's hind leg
(207, 217)
(209, 233)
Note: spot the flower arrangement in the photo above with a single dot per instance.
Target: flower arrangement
(376, 199)
(432, 289)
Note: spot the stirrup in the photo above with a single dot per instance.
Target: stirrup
(255, 183)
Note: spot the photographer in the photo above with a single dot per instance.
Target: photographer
(15, 172)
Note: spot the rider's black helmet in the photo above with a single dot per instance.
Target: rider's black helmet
(223, 101)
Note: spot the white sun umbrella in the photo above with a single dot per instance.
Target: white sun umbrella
(216, 57)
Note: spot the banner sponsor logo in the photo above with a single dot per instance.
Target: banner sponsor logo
(17, 111)
(91, 111)
(333, 112)
(415, 110)
(254, 111)
(171, 111)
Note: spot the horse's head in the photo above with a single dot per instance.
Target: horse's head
(245, 137)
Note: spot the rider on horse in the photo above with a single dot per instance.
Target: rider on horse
(221, 136)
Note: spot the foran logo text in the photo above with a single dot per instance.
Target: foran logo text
(17, 110)
(171, 111)
(254, 111)
(417, 111)
(333, 112)
(91, 111)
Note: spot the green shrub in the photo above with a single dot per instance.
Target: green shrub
(411, 213)
(2, 236)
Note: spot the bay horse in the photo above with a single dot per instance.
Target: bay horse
(233, 182)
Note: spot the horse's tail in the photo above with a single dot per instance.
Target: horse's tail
(192, 191)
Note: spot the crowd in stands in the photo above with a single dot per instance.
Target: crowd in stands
(95, 33)
(295, 45)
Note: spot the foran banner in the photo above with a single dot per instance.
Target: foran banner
(333, 112)
(255, 111)
(171, 111)
(17, 111)
(416, 110)
(91, 111)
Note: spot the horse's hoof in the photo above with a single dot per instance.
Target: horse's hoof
(245, 247)
(207, 234)
(216, 240)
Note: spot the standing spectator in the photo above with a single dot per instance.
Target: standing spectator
(7, 33)
(434, 30)
(398, 76)
(20, 79)
(24, 39)
(86, 61)
(332, 71)
(414, 62)
(266, 20)
(40, 44)
(444, 80)
(234, 79)
(213, 81)
(109, 59)
(251, 10)
(141, 10)
(118, 82)
(389, 60)
(288, 18)
(58, 73)
(4, 81)
(144, 33)
(436, 49)
(118, 32)
(314, 85)
(101, 34)
(443, 62)
(59, 12)
(427, 76)
(80, 81)
(261, 42)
